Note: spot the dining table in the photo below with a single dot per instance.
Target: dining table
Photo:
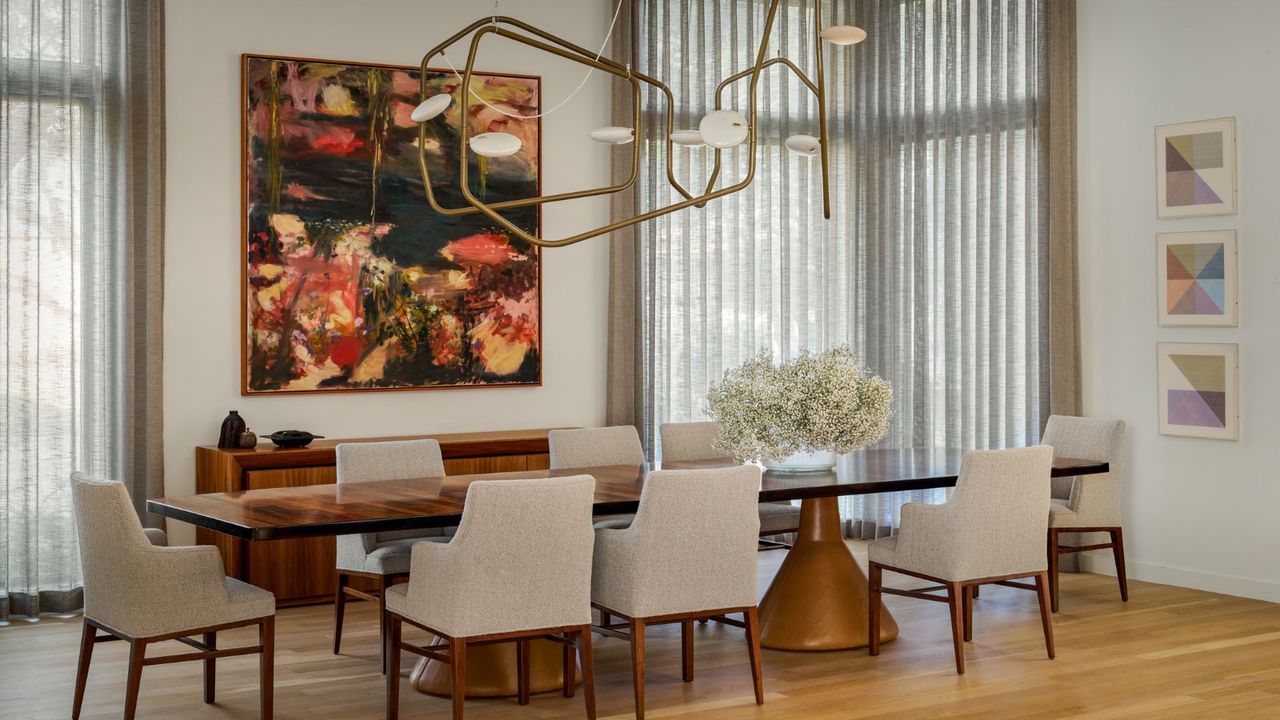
(817, 601)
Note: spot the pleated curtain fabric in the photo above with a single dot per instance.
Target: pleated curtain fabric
(935, 264)
(81, 217)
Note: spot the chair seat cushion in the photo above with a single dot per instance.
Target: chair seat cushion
(246, 601)
(778, 517)
(613, 522)
(392, 558)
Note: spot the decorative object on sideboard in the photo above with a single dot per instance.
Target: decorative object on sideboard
(797, 416)
(721, 128)
(248, 439)
(232, 426)
(292, 438)
(1197, 278)
(351, 283)
(1198, 389)
(1196, 168)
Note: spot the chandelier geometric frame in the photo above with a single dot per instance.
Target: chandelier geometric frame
(547, 42)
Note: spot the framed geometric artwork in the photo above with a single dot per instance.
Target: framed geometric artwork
(1198, 390)
(1197, 278)
(1196, 168)
(350, 280)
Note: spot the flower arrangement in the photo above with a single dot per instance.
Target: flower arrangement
(823, 402)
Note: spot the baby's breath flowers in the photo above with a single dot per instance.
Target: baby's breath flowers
(826, 401)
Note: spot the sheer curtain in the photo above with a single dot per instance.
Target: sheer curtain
(81, 214)
(933, 266)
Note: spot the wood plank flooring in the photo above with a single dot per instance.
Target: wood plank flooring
(1168, 653)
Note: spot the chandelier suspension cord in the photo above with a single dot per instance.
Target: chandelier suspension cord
(617, 11)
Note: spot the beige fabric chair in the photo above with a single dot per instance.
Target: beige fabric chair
(990, 531)
(691, 441)
(138, 590)
(596, 447)
(658, 570)
(1091, 502)
(519, 568)
(381, 558)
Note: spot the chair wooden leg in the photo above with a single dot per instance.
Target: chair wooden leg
(87, 635)
(1117, 548)
(267, 666)
(339, 610)
(393, 667)
(752, 621)
(137, 652)
(458, 666)
(968, 591)
(637, 664)
(954, 601)
(382, 619)
(605, 618)
(1046, 617)
(210, 666)
(522, 672)
(976, 589)
(874, 576)
(686, 650)
(588, 671)
(570, 665)
(1053, 568)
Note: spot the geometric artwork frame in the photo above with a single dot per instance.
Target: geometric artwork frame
(1196, 282)
(1198, 390)
(349, 281)
(1196, 168)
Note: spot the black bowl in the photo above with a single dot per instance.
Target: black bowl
(292, 438)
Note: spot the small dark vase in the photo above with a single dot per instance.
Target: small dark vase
(231, 429)
(248, 439)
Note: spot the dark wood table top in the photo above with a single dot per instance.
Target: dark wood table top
(387, 505)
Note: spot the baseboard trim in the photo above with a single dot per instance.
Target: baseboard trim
(1268, 590)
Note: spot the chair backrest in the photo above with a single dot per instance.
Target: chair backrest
(682, 513)
(1001, 499)
(691, 441)
(524, 548)
(594, 447)
(1095, 498)
(111, 540)
(393, 460)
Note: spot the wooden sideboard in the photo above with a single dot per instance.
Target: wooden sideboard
(302, 571)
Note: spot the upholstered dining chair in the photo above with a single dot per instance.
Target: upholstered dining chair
(139, 590)
(657, 570)
(519, 568)
(689, 441)
(991, 531)
(1087, 503)
(383, 557)
(597, 447)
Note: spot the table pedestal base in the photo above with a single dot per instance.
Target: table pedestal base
(818, 599)
(491, 670)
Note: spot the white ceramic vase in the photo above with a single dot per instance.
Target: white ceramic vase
(803, 462)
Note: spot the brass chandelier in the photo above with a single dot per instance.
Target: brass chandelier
(720, 129)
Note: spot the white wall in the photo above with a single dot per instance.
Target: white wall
(202, 260)
(1199, 513)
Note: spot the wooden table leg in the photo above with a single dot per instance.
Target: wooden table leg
(491, 671)
(818, 599)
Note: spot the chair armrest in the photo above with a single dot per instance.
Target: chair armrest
(157, 537)
(189, 573)
(924, 528)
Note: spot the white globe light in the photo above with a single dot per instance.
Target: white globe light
(613, 135)
(843, 34)
(723, 128)
(806, 145)
(495, 144)
(430, 108)
(688, 138)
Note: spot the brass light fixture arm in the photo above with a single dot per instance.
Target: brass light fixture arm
(688, 202)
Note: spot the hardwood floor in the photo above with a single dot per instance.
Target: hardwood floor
(1168, 653)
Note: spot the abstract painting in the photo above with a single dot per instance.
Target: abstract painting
(1196, 168)
(1198, 393)
(351, 281)
(1197, 278)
